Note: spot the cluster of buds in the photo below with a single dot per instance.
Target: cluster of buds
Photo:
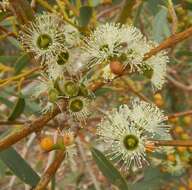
(66, 140)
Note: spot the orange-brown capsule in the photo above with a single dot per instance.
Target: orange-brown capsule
(47, 143)
(116, 67)
(187, 119)
(182, 188)
(181, 149)
(173, 120)
(178, 130)
(171, 157)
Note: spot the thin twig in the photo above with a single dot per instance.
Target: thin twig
(35, 126)
(51, 170)
(179, 84)
(173, 16)
(169, 42)
(7, 81)
(138, 94)
(185, 143)
(179, 114)
(12, 122)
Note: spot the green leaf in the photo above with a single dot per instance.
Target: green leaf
(5, 101)
(116, 1)
(152, 180)
(5, 59)
(184, 53)
(2, 168)
(109, 170)
(102, 91)
(19, 166)
(160, 29)
(18, 109)
(85, 16)
(2, 15)
(21, 63)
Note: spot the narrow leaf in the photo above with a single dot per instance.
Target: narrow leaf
(21, 63)
(85, 16)
(109, 170)
(102, 91)
(19, 166)
(18, 109)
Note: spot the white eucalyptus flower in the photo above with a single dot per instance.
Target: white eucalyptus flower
(175, 168)
(155, 69)
(71, 61)
(148, 117)
(128, 142)
(72, 35)
(79, 108)
(114, 41)
(55, 71)
(44, 36)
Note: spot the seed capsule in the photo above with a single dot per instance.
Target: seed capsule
(116, 67)
(47, 143)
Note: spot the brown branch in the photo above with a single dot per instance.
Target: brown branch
(179, 114)
(35, 126)
(12, 122)
(186, 143)
(51, 170)
(141, 96)
(169, 42)
(179, 84)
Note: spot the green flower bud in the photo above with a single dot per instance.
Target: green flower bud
(53, 95)
(70, 88)
(83, 91)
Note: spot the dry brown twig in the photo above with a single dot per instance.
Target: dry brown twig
(173, 16)
(185, 143)
(51, 170)
(179, 84)
(179, 114)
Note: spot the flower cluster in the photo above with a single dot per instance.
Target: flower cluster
(54, 43)
(76, 93)
(51, 41)
(112, 48)
(130, 130)
(116, 46)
